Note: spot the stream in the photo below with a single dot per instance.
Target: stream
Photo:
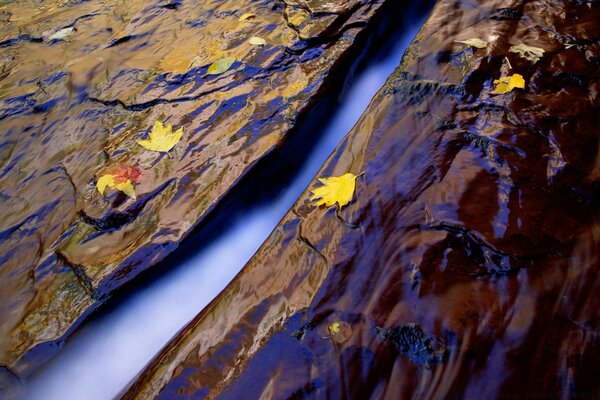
(112, 347)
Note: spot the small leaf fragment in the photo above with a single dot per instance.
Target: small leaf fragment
(530, 53)
(247, 16)
(339, 331)
(257, 41)
(127, 188)
(104, 182)
(507, 83)
(61, 34)
(335, 189)
(161, 138)
(474, 42)
(220, 66)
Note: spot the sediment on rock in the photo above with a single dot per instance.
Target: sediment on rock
(469, 266)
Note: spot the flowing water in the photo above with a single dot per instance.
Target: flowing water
(107, 352)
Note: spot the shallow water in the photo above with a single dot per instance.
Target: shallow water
(108, 351)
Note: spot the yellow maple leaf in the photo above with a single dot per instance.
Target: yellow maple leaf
(508, 83)
(161, 138)
(336, 189)
(112, 181)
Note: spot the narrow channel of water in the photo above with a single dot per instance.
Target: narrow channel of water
(107, 352)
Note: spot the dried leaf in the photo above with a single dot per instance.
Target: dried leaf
(247, 16)
(258, 41)
(508, 83)
(120, 179)
(220, 66)
(61, 34)
(339, 331)
(531, 53)
(161, 138)
(474, 42)
(338, 190)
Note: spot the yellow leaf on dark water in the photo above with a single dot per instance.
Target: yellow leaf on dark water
(339, 331)
(474, 42)
(161, 138)
(508, 83)
(531, 53)
(220, 66)
(336, 189)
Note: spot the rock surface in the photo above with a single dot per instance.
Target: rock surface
(467, 265)
(81, 81)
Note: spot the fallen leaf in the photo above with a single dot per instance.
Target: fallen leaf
(339, 331)
(120, 178)
(220, 66)
(258, 41)
(531, 53)
(336, 189)
(247, 16)
(61, 34)
(161, 138)
(479, 43)
(508, 83)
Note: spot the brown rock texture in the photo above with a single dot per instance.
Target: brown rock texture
(467, 264)
(81, 81)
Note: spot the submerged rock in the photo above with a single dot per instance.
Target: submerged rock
(477, 220)
(82, 81)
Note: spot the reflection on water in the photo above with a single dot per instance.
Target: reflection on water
(107, 352)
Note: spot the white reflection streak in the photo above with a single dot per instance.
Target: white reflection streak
(106, 353)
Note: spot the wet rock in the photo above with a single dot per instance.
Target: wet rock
(477, 219)
(81, 81)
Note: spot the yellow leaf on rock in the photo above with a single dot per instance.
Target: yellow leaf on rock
(508, 83)
(61, 34)
(258, 41)
(108, 180)
(127, 188)
(105, 181)
(220, 66)
(474, 42)
(336, 189)
(531, 53)
(247, 16)
(161, 138)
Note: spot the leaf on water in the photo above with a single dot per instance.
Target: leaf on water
(474, 42)
(161, 138)
(531, 53)
(247, 16)
(61, 34)
(336, 189)
(339, 331)
(258, 41)
(121, 178)
(220, 66)
(508, 83)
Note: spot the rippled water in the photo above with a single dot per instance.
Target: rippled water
(109, 350)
